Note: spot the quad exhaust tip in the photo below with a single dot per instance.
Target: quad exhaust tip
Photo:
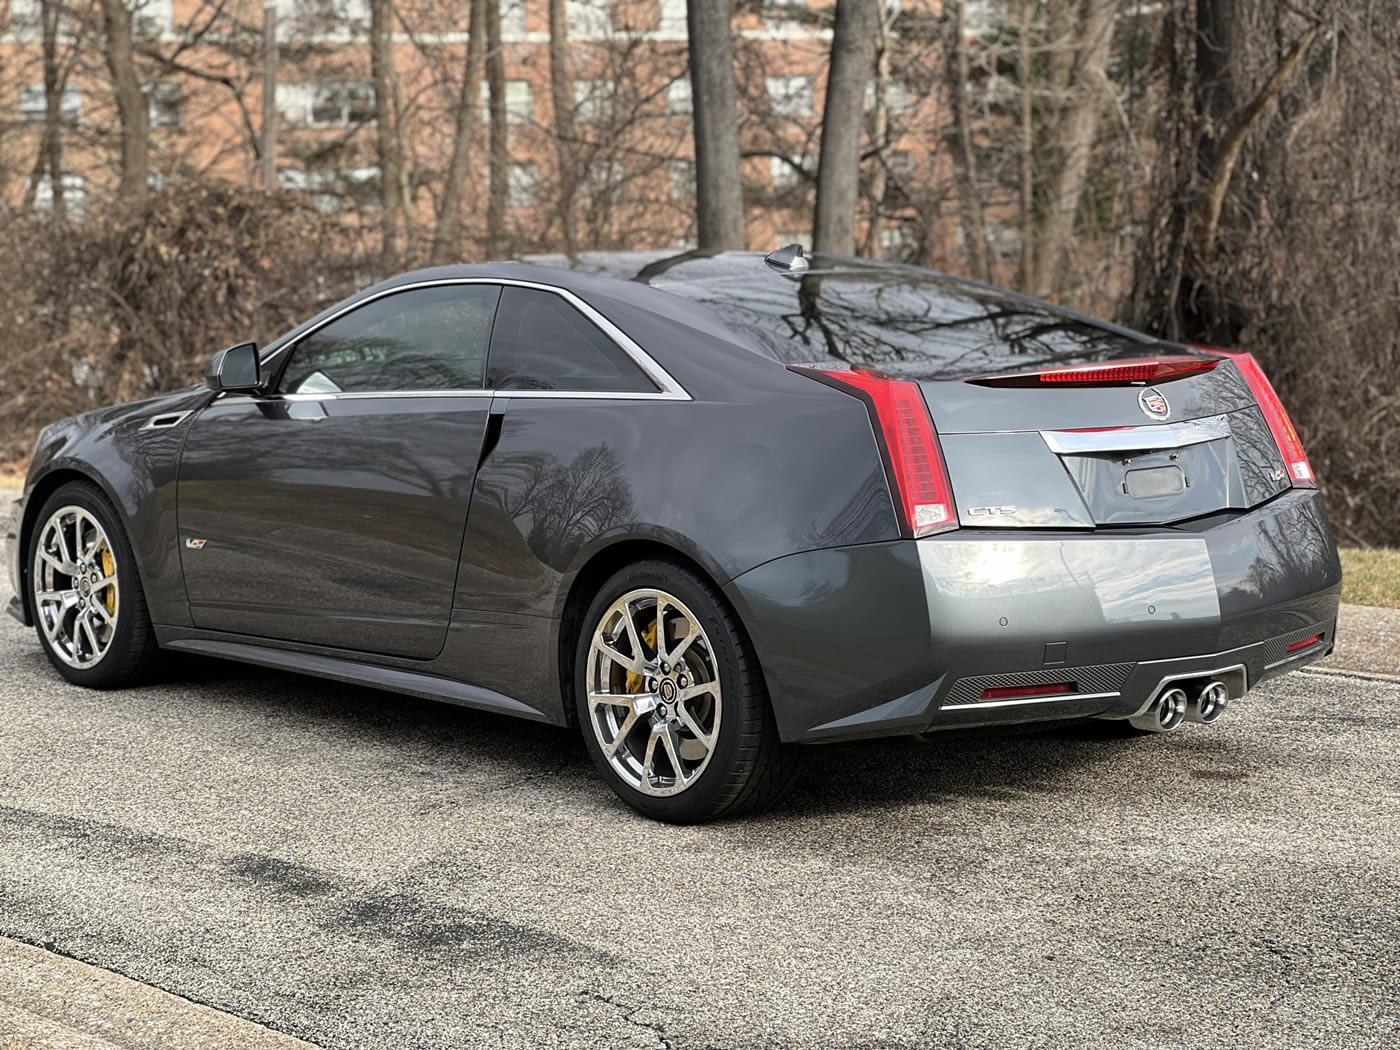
(1165, 714)
(1207, 703)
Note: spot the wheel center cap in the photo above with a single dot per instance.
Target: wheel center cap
(668, 690)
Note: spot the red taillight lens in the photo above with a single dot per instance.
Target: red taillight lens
(1300, 471)
(1015, 692)
(1111, 373)
(914, 461)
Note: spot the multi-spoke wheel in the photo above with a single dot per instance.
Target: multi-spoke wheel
(670, 698)
(87, 604)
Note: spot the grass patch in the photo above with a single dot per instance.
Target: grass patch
(1371, 577)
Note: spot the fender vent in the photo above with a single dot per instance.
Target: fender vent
(1097, 678)
(165, 421)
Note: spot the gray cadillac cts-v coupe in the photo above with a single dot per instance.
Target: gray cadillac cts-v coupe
(703, 506)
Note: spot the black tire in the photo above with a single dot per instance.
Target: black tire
(132, 649)
(749, 767)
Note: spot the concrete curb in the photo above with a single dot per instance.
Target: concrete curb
(52, 1002)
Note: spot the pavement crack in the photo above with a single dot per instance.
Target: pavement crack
(629, 1015)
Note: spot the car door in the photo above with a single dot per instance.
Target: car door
(330, 511)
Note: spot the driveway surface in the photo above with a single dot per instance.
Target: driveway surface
(363, 870)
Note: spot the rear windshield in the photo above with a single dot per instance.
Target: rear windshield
(907, 322)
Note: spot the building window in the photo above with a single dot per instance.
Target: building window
(164, 104)
(332, 189)
(325, 105)
(896, 96)
(512, 19)
(901, 163)
(324, 15)
(33, 105)
(593, 99)
(74, 193)
(790, 96)
(897, 242)
(522, 187)
(603, 177)
(678, 98)
(786, 173)
(589, 19)
(682, 179)
(520, 102)
(152, 17)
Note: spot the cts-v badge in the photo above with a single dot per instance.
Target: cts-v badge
(1153, 404)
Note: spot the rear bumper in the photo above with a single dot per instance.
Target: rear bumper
(905, 636)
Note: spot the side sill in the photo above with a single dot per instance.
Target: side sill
(395, 680)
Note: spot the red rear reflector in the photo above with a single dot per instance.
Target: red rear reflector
(1016, 691)
(1111, 373)
(1304, 643)
(1300, 471)
(915, 465)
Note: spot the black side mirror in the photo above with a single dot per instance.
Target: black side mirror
(235, 368)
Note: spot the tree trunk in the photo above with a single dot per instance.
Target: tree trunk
(448, 233)
(964, 159)
(386, 131)
(1077, 132)
(50, 157)
(1229, 150)
(838, 170)
(131, 101)
(1025, 72)
(562, 96)
(269, 100)
(500, 133)
(719, 193)
(879, 136)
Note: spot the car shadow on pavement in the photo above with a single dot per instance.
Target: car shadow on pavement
(1006, 763)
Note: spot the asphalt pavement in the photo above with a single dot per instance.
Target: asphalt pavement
(358, 869)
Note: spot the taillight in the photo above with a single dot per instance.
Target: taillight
(913, 460)
(1300, 471)
(1110, 373)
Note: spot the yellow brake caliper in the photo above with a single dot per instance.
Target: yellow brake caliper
(635, 681)
(109, 569)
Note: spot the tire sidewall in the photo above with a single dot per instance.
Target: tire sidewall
(87, 496)
(708, 794)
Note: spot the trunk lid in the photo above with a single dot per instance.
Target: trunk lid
(1060, 456)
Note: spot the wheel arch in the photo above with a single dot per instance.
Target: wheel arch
(47, 484)
(594, 571)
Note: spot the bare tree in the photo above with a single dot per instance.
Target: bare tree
(448, 232)
(387, 140)
(561, 94)
(1024, 73)
(1076, 133)
(269, 99)
(131, 101)
(964, 156)
(49, 160)
(500, 133)
(838, 169)
(719, 193)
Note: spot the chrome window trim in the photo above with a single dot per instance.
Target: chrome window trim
(669, 388)
(1137, 438)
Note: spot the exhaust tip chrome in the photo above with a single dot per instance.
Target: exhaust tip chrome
(1166, 714)
(1208, 703)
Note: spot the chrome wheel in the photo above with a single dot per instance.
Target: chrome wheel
(654, 698)
(75, 587)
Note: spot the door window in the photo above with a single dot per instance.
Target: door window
(424, 339)
(541, 342)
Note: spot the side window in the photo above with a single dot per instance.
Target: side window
(540, 342)
(424, 339)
